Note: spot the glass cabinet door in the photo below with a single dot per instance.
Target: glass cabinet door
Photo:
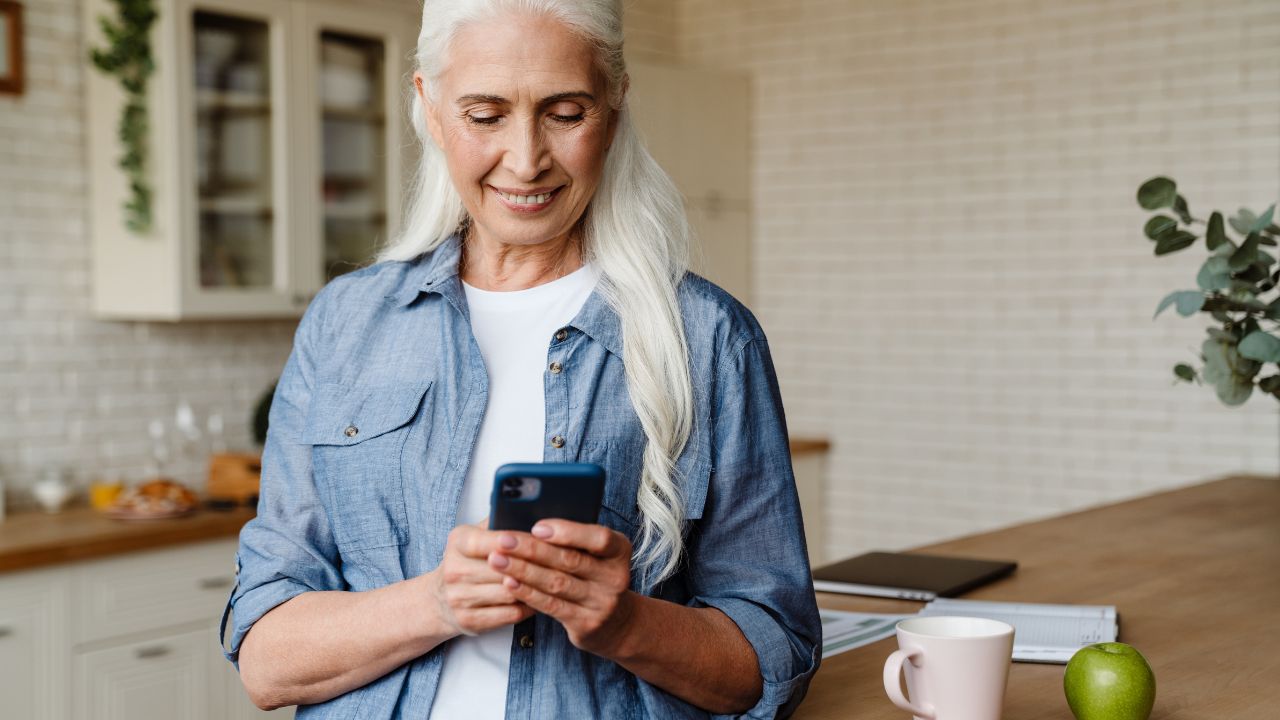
(236, 224)
(350, 86)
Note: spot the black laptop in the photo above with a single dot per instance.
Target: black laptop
(908, 576)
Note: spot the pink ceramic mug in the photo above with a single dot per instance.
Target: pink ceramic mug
(956, 667)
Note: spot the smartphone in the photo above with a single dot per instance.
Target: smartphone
(524, 493)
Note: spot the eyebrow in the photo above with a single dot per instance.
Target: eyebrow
(498, 99)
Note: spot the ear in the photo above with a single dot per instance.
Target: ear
(614, 112)
(428, 110)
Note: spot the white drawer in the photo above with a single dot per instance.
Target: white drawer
(146, 591)
(34, 662)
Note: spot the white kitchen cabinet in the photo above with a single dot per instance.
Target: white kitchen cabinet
(162, 588)
(165, 678)
(34, 659)
(278, 153)
(133, 636)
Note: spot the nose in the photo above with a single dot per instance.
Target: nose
(526, 156)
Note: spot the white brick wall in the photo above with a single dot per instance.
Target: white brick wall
(77, 392)
(949, 259)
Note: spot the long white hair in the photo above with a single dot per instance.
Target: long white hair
(635, 230)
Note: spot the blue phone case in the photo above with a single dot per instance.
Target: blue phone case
(524, 493)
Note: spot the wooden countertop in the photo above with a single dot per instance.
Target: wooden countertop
(1194, 574)
(33, 539)
(806, 446)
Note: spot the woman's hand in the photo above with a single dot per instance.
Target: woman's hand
(578, 574)
(470, 595)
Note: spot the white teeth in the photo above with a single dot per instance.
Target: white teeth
(526, 199)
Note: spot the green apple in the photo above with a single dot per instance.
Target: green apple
(1109, 681)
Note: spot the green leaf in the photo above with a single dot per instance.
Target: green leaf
(1184, 372)
(1156, 193)
(1188, 302)
(1221, 335)
(1246, 254)
(1262, 222)
(1159, 225)
(1214, 274)
(1255, 273)
(1180, 207)
(1273, 310)
(1229, 373)
(1235, 391)
(1215, 235)
(1243, 221)
(1261, 346)
(1174, 241)
(1270, 384)
(1269, 241)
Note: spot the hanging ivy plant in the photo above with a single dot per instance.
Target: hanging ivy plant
(128, 58)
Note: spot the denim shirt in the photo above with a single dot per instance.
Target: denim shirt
(372, 426)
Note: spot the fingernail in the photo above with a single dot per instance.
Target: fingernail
(511, 582)
(507, 541)
(499, 560)
(541, 531)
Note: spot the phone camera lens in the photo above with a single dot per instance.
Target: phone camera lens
(510, 492)
(511, 482)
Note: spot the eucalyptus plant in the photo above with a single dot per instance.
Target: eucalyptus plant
(1236, 285)
(128, 58)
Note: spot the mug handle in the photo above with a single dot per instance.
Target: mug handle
(893, 683)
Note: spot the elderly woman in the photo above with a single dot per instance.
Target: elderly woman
(537, 307)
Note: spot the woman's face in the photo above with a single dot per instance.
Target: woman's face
(524, 122)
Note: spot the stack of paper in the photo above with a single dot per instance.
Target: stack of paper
(1042, 633)
(842, 631)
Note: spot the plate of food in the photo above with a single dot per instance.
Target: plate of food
(154, 500)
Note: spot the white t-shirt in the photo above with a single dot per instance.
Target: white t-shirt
(514, 330)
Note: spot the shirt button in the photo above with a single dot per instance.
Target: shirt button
(526, 641)
(351, 431)
(556, 368)
(561, 334)
(557, 441)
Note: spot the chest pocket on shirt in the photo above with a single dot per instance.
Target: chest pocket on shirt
(623, 461)
(358, 437)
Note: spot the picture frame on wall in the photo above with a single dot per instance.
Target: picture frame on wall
(10, 47)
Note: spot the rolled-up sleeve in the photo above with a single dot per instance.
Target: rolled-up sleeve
(747, 553)
(288, 548)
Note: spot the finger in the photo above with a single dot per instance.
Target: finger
(551, 582)
(473, 541)
(474, 596)
(565, 559)
(595, 539)
(556, 607)
(474, 621)
(470, 571)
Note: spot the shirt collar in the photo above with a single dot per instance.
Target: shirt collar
(598, 321)
(429, 271)
(433, 270)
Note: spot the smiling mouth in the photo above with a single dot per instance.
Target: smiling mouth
(526, 203)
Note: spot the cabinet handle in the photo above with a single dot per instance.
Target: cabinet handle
(153, 651)
(5, 631)
(215, 583)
